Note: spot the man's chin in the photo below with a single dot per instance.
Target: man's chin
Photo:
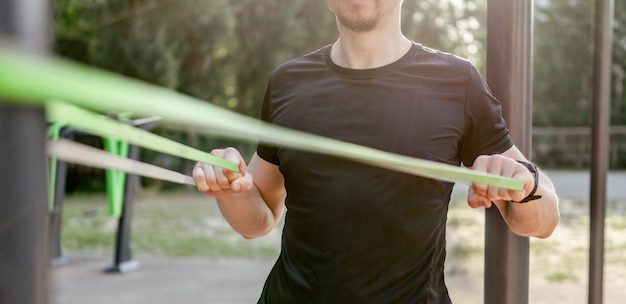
(361, 25)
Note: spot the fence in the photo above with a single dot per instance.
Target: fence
(570, 147)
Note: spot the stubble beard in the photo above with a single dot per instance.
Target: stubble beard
(358, 23)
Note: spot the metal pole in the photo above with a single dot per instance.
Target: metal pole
(122, 256)
(509, 74)
(55, 217)
(24, 259)
(603, 44)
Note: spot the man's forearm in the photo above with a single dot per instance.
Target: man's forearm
(247, 213)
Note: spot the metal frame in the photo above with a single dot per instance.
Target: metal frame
(509, 74)
(57, 180)
(122, 256)
(24, 259)
(603, 48)
(120, 192)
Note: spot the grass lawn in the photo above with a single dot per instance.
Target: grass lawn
(166, 224)
(188, 224)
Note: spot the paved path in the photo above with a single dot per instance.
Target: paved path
(159, 281)
(200, 281)
(189, 281)
(576, 184)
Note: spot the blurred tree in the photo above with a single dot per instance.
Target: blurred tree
(455, 26)
(182, 45)
(175, 44)
(223, 51)
(269, 33)
(74, 20)
(563, 63)
(563, 85)
(618, 113)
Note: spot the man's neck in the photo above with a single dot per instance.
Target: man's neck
(369, 50)
(383, 44)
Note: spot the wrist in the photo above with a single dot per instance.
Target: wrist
(535, 172)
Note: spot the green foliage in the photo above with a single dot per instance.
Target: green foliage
(618, 116)
(562, 277)
(564, 63)
(269, 33)
(458, 27)
(223, 51)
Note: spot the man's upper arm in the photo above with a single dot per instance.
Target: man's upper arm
(270, 182)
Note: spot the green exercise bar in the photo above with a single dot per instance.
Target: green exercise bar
(53, 132)
(36, 80)
(115, 179)
(116, 137)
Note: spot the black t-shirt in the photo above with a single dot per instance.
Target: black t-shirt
(360, 234)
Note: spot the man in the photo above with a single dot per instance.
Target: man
(355, 233)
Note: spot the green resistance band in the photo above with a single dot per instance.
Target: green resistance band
(78, 118)
(34, 80)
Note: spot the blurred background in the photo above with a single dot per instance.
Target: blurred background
(223, 51)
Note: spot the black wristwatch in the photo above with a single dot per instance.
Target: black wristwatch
(533, 169)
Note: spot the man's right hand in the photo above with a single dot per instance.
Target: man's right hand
(216, 181)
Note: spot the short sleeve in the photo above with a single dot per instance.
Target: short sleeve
(486, 131)
(266, 152)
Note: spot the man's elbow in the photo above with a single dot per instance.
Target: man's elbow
(252, 236)
(540, 230)
(258, 232)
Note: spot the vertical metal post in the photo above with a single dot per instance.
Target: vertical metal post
(122, 256)
(24, 260)
(509, 74)
(56, 213)
(603, 44)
